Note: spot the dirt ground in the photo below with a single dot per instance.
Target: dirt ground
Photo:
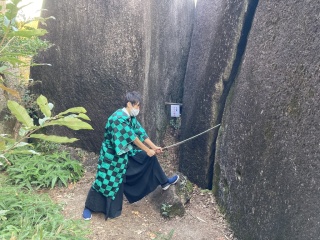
(202, 220)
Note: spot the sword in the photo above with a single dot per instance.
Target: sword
(178, 143)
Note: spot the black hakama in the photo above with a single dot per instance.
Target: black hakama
(144, 174)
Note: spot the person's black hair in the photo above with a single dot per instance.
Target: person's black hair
(133, 97)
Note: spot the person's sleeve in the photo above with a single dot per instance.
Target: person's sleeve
(123, 135)
(140, 132)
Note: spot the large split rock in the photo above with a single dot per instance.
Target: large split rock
(103, 49)
(267, 161)
(171, 203)
(96, 57)
(217, 29)
(168, 40)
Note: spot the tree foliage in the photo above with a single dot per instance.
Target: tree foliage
(18, 39)
(71, 118)
(19, 42)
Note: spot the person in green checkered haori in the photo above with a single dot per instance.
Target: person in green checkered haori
(127, 163)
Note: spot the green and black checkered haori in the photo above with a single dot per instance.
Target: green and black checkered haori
(120, 131)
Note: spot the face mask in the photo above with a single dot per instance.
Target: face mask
(134, 112)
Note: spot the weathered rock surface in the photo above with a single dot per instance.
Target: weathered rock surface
(216, 33)
(171, 203)
(103, 49)
(168, 38)
(267, 160)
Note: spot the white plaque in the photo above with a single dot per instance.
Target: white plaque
(175, 110)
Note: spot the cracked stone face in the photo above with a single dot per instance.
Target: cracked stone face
(268, 146)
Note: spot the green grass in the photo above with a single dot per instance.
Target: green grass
(28, 215)
(43, 171)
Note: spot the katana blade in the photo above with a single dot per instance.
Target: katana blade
(179, 143)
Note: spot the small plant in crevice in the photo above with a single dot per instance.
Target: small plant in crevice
(165, 210)
(175, 123)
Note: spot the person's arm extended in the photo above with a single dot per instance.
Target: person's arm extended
(139, 144)
(152, 145)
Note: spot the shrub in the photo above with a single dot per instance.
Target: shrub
(48, 170)
(27, 215)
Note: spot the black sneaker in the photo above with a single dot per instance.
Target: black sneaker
(170, 182)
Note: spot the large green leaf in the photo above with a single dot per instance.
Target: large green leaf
(53, 138)
(43, 104)
(11, 10)
(84, 116)
(72, 123)
(20, 113)
(73, 110)
(13, 60)
(23, 152)
(28, 33)
(22, 144)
